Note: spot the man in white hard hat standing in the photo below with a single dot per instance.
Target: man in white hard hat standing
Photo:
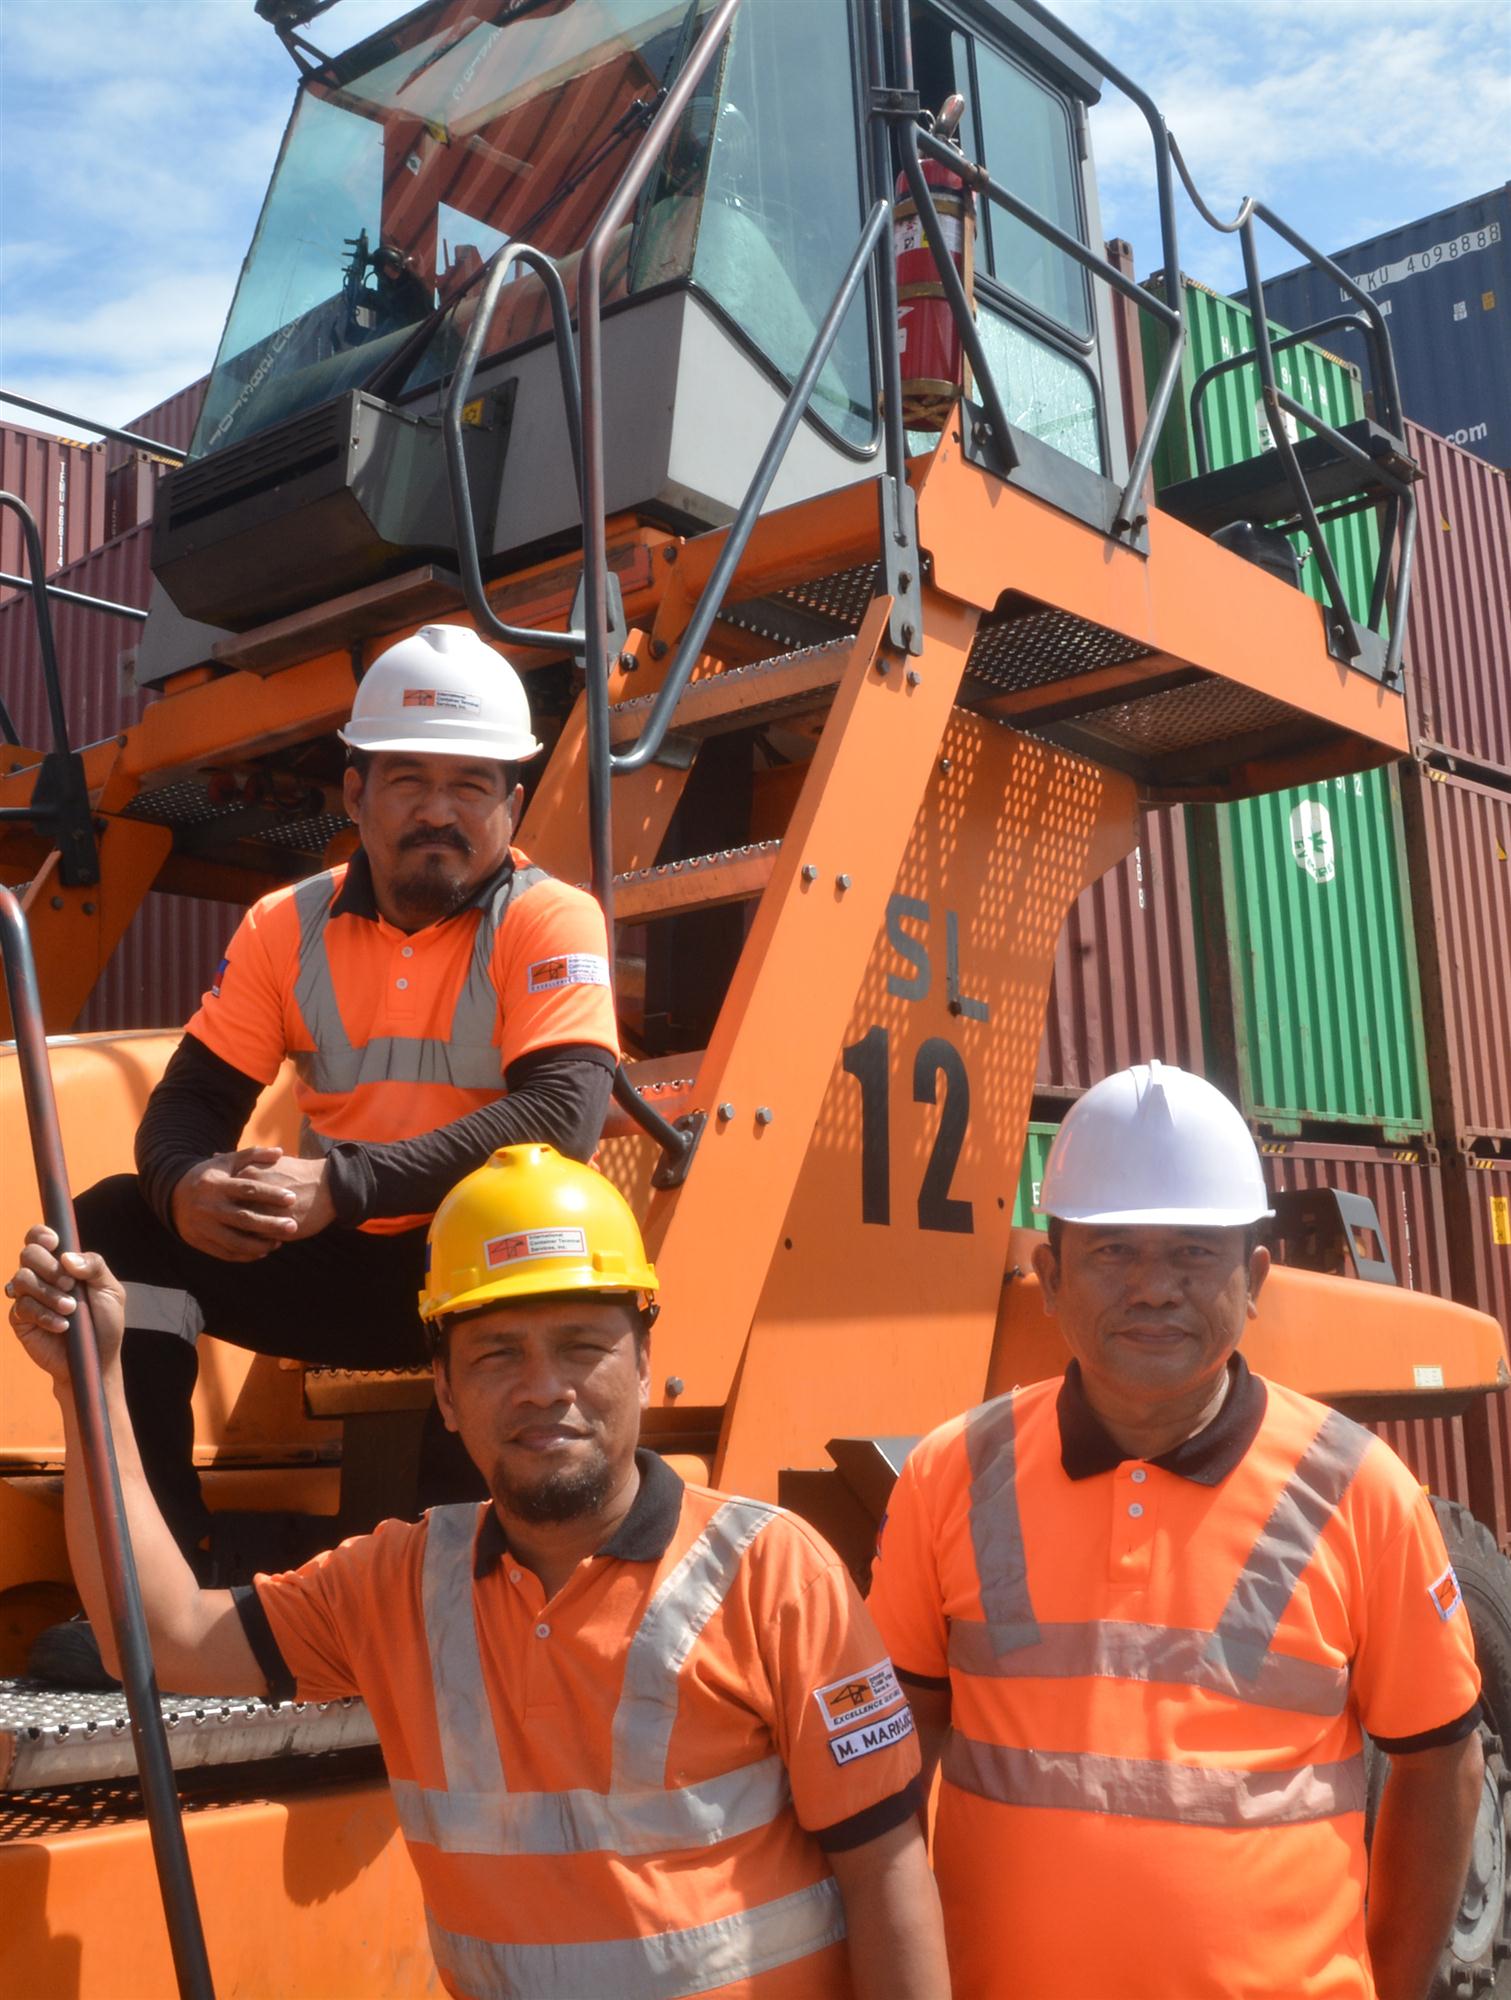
(440, 997)
(1146, 1611)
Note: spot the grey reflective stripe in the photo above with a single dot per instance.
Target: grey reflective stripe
(160, 1309)
(582, 1822)
(467, 1057)
(683, 1604)
(1111, 1650)
(1287, 1542)
(474, 1813)
(663, 1966)
(1143, 1788)
(469, 1741)
(996, 1531)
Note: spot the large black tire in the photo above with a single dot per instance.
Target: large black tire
(1477, 1961)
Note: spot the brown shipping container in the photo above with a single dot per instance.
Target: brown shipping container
(131, 476)
(1458, 629)
(170, 422)
(63, 483)
(1125, 981)
(1458, 841)
(1479, 1220)
(92, 646)
(1406, 1188)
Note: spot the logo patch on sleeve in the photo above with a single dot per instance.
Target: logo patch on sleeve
(871, 1737)
(573, 968)
(528, 1243)
(844, 1703)
(220, 973)
(1445, 1594)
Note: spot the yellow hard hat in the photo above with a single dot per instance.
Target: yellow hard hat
(526, 1224)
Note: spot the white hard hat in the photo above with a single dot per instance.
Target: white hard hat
(1154, 1144)
(443, 692)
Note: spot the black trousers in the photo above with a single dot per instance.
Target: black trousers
(345, 1298)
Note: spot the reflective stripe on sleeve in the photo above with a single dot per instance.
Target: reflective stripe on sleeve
(1287, 1542)
(583, 1822)
(675, 1616)
(1145, 1788)
(1114, 1650)
(996, 1529)
(663, 1966)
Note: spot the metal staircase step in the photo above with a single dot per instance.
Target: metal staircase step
(741, 697)
(667, 1082)
(56, 1736)
(366, 1392)
(701, 882)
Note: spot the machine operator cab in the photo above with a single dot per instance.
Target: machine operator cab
(317, 465)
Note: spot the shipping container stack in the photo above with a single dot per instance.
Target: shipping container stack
(94, 505)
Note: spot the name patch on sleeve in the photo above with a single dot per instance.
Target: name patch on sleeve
(573, 968)
(844, 1703)
(527, 1243)
(871, 1737)
(1445, 1594)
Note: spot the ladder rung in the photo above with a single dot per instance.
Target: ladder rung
(787, 684)
(700, 883)
(360, 1392)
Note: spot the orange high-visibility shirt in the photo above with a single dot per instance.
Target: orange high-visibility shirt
(394, 1033)
(628, 1789)
(1153, 1788)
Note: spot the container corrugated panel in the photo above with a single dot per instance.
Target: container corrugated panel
(1444, 284)
(1126, 982)
(1316, 918)
(1458, 627)
(1036, 1144)
(170, 422)
(158, 972)
(1459, 838)
(1407, 1191)
(91, 646)
(63, 483)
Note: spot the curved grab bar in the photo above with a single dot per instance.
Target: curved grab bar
(499, 266)
(1245, 207)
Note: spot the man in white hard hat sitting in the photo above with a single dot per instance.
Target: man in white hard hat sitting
(1145, 1612)
(440, 997)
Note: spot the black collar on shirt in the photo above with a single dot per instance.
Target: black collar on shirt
(1086, 1449)
(644, 1535)
(357, 898)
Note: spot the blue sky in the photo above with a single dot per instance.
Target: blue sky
(137, 137)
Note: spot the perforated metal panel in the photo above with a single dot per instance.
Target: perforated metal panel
(1037, 648)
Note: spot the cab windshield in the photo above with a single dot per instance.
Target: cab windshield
(410, 160)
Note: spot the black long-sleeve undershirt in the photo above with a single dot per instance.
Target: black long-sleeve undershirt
(557, 1097)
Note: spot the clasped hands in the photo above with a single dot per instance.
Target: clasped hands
(239, 1206)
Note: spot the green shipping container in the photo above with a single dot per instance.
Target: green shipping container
(1030, 1176)
(1237, 426)
(1314, 907)
(1315, 912)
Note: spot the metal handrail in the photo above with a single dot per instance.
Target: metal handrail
(499, 267)
(76, 597)
(1401, 507)
(118, 1566)
(169, 451)
(1249, 355)
(60, 796)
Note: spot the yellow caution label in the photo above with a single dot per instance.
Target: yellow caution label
(472, 413)
(1487, 301)
(1500, 1220)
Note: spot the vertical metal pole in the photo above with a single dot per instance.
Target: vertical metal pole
(128, 1620)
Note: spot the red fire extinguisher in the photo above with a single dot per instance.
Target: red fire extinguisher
(933, 362)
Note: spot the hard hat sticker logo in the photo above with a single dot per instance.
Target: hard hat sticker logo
(1445, 1594)
(573, 968)
(467, 704)
(528, 1243)
(844, 1703)
(874, 1736)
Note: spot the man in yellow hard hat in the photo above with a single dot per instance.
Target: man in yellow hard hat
(642, 1736)
(438, 996)
(1147, 1611)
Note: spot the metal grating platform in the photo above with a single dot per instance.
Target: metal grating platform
(58, 1736)
(1037, 648)
(1187, 718)
(808, 613)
